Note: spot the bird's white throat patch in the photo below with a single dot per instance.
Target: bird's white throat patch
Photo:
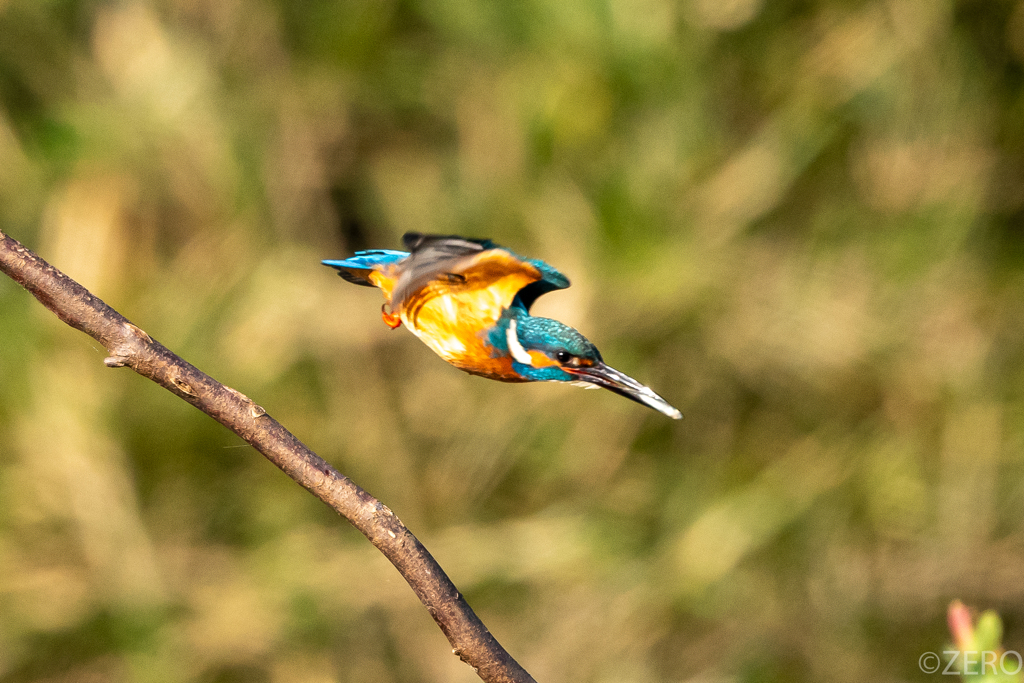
(517, 350)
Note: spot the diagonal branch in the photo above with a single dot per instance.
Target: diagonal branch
(129, 346)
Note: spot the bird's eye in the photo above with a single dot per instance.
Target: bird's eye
(563, 357)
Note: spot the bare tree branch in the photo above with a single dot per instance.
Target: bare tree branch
(131, 347)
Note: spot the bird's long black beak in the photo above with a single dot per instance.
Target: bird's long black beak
(624, 385)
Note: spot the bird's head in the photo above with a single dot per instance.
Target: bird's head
(545, 350)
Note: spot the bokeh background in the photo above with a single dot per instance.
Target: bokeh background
(801, 221)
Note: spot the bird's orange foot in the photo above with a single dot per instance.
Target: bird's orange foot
(390, 319)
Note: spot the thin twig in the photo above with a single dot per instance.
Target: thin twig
(129, 346)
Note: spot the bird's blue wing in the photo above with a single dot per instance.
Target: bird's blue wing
(550, 280)
(356, 269)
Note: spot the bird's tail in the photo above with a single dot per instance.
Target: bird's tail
(356, 269)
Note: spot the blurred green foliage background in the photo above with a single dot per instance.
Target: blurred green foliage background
(801, 221)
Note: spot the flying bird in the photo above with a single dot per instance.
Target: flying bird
(469, 300)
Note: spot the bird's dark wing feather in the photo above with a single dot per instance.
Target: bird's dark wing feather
(447, 263)
(452, 245)
(434, 257)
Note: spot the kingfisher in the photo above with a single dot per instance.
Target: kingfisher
(469, 301)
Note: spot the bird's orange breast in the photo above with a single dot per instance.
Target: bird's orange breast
(454, 316)
(455, 325)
